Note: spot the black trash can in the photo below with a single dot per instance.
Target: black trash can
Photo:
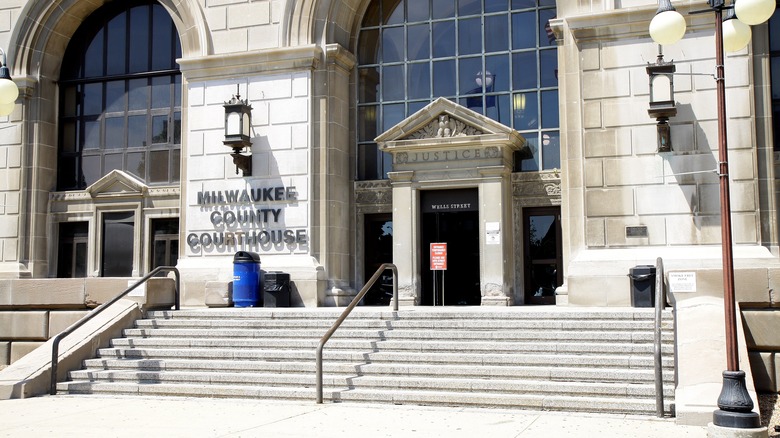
(247, 280)
(276, 287)
(642, 286)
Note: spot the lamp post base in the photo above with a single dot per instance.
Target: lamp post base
(736, 406)
(714, 431)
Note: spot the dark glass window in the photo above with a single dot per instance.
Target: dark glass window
(165, 243)
(120, 101)
(72, 250)
(497, 57)
(118, 237)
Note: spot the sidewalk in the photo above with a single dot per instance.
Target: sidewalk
(101, 416)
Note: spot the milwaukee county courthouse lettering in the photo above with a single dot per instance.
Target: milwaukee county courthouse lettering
(515, 131)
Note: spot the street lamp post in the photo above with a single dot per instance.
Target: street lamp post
(668, 26)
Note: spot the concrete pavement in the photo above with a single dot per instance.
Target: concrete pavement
(102, 416)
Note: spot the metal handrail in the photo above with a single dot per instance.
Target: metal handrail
(346, 313)
(56, 343)
(659, 305)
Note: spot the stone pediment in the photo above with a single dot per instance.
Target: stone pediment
(443, 120)
(117, 183)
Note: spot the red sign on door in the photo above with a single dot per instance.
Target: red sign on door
(438, 256)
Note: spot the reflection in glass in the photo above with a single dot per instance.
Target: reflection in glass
(93, 99)
(393, 11)
(469, 7)
(161, 92)
(115, 96)
(548, 59)
(90, 166)
(530, 155)
(469, 36)
(551, 149)
(115, 132)
(115, 40)
(550, 109)
(136, 131)
(93, 65)
(524, 30)
(158, 166)
(91, 135)
(496, 30)
(417, 10)
(468, 69)
(524, 70)
(418, 42)
(497, 71)
(525, 106)
(392, 44)
(112, 162)
(136, 164)
(443, 39)
(367, 123)
(443, 8)
(368, 91)
(138, 95)
(419, 81)
(162, 29)
(393, 82)
(117, 251)
(495, 5)
(545, 38)
(139, 43)
(392, 115)
(368, 52)
(159, 129)
(443, 72)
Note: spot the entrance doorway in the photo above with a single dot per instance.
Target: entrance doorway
(543, 260)
(451, 217)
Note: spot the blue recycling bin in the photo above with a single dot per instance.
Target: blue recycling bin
(247, 280)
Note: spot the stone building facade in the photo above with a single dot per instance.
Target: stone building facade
(546, 174)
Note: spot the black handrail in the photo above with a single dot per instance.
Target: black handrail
(55, 347)
(347, 311)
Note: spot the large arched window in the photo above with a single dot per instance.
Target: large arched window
(120, 97)
(497, 57)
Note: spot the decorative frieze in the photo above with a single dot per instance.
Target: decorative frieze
(536, 189)
(377, 192)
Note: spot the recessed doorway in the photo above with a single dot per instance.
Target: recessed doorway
(543, 260)
(451, 217)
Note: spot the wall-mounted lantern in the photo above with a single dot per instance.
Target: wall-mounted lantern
(8, 89)
(662, 104)
(238, 122)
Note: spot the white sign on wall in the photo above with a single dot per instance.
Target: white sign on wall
(492, 233)
(682, 282)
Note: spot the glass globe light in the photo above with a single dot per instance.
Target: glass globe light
(667, 27)
(7, 108)
(8, 91)
(752, 12)
(736, 35)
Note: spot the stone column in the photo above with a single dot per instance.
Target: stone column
(495, 218)
(405, 219)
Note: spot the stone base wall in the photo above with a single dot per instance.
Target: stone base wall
(33, 311)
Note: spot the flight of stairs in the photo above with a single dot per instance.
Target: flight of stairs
(548, 358)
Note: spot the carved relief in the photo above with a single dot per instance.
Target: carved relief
(373, 193)
(444, 126)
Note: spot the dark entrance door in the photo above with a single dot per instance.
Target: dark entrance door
(378, 249)
(543, 260)
(451, 217)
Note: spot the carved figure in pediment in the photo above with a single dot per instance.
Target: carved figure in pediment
(444, 126)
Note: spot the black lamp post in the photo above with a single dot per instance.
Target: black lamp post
(238, 122)
(667, 27)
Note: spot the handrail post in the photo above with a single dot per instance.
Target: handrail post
(657, 356)
(55, 346)
(345, 313)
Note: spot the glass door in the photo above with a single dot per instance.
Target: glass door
(543, 260)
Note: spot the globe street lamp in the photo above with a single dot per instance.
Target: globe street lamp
(8, 89)
(668, 27)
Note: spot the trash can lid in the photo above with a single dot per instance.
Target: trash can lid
(246, 257)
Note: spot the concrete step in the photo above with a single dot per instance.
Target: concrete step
(376, 344)
(636, 336)
(447, 384)
(626, 405)
(405, 365)
(593, 360)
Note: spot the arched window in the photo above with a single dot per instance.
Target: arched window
(496, 57)
(120, 97)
